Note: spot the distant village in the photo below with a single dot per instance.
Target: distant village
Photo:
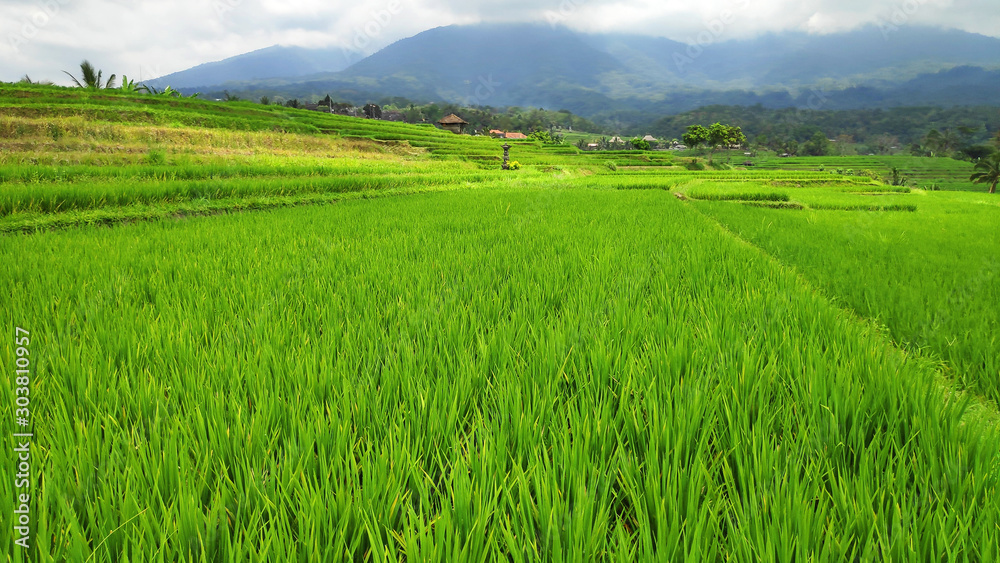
(457, 125)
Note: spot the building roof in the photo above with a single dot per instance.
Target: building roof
(516, 136)
(453, 120)
(649, 138)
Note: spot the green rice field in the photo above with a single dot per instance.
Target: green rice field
(261, 334)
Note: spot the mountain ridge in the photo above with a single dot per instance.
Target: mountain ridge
(276, 61)
(536, 65)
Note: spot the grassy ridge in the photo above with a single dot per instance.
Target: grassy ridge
(481, 375)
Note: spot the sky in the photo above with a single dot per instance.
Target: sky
(149, 38)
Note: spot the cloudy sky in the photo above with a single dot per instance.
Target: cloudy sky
(150, 38)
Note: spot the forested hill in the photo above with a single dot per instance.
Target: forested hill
(902, 126)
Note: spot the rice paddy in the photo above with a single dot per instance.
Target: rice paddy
(297, 337)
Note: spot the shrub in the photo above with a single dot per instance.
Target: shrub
(546, 138)
(611, 166)
(694, 164)
(746, 196)
(896, 178)
(156, 156)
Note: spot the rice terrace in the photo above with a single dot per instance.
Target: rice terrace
(250, 332)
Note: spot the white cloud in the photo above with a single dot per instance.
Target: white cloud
(151, 37)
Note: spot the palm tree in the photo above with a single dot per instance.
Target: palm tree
(988, 172)
(91, 77)
(27, 80)
(937, 141)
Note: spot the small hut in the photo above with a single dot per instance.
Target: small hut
(453, 123)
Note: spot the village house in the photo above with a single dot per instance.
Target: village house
(453, 123)
(396, 116)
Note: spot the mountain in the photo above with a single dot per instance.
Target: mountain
(486, 64)
(793, 59)
(272, 62)
(534, 65)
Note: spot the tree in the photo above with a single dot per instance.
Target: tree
(884, 144)
(91, 77)
(727, 136)
(966, 133)
(546, 137)
(916, 149)
(976, 153)
(761, 142)
(790, 147)
(818, 145)
(717, 137)
(696, 136)
(845, 145)
(939, 141)
(988, 172)
(640, 144)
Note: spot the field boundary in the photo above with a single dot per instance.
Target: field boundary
(148, 213)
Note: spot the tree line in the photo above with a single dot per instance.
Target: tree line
(871, 131)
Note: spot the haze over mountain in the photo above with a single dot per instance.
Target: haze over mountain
(554, 67)
(272, 62)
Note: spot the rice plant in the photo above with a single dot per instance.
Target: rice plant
(478, 375)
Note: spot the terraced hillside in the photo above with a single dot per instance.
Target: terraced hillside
(249, 333)
(923, 172)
